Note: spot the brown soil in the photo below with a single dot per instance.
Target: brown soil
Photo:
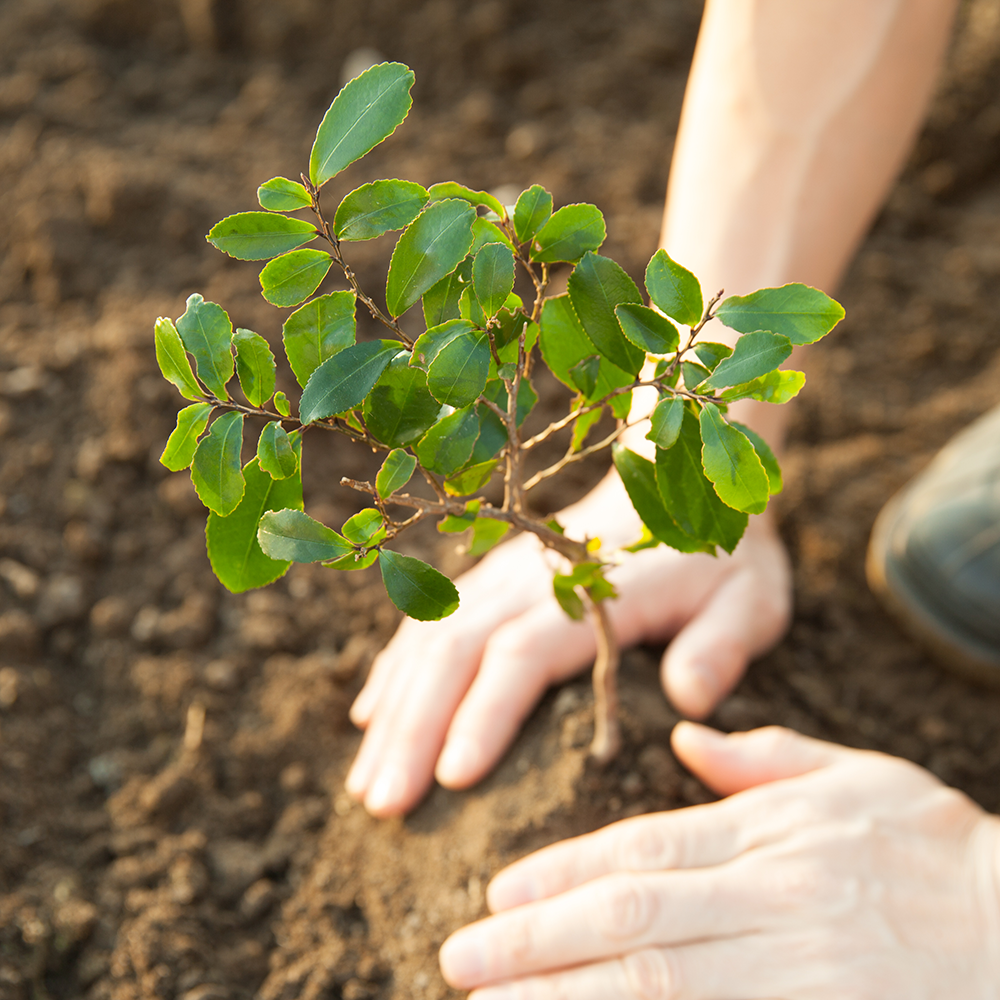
(136, 861)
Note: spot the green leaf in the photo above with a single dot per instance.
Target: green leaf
(590, 576)
(418, 590)
(710, 353)
(441, 301)
(429, 344)
(454, 523)
(433, 245)
(173, 359)
(766, 456)
(342, 382)
(665, 422)
(756, 354)
(294, 536)
(493, 277)
(526, 398)
(377, 208)
(399, 409)
(510, 324)
(647, 329)
(486, 532)
(569, 600)
(674, 290)
(365, 529)
(798, 312)
(395, 473)
(774, 387)
(596, 286)
(279, 194)
(292, 278)
(484, 231)
(569, 234)
(233, 550)
(564, 343)
(281, 404)
(365, 112)
(449, 189)
(207, 334)
(254, 366)
(215, 470)
(582, 426)
(469, 308)
(621, 405)
(317, 331)
(584, 374)
(191, 423)
(457, 375)
(689, 497)
(259, 235)
(638, 475)
(732, 464)
(472, 477)
(448, 445)
(694, 374)
(354, 560)
(275, 453)
(532, 211)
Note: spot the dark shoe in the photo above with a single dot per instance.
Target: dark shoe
(934, 555)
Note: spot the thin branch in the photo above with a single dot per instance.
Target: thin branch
(575, 456)
(327, 233)
(573, 550)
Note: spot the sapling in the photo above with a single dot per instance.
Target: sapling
(445, 393)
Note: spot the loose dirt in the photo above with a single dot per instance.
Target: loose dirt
(172, 819)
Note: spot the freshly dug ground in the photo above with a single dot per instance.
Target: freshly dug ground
(172, 819)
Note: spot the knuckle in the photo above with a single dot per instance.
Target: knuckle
(651, 974)
(773, 739)
(646, 845)
(626, 908)
(807, 885)
(519, 945)
(510, 641)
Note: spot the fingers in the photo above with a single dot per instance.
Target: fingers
(746, 615)
(607, 917)
(395, 764)
(421, 678)
(521, 659)
(743, 968)
(684, 838)
(740, 761)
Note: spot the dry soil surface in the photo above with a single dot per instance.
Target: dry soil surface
(137, 860)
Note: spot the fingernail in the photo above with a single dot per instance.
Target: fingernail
(462, 960)
(458, 761)
(387, 789)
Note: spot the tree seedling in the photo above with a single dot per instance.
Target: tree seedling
(445, 393)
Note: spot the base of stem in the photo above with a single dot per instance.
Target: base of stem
(607, 731)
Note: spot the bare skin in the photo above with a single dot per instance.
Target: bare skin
(828, 873)
(798, 117)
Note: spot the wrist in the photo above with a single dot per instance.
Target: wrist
(985, 853)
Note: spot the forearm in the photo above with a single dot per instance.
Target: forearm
(798, 116)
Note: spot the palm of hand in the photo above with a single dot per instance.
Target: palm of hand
(448, 697)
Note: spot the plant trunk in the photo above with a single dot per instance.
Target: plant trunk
(607, 733)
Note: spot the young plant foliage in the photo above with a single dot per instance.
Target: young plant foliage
(444, 395)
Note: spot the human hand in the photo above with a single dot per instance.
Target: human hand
(828, 873)
(448, 697)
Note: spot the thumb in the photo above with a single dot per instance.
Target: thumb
(733, 763)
